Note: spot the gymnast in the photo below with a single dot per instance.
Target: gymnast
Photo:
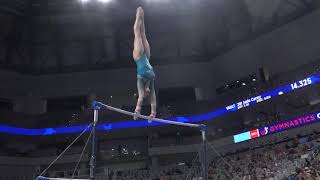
(145, 73)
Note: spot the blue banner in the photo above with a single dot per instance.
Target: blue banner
(266, 96)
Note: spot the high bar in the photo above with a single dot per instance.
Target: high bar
(98, 104)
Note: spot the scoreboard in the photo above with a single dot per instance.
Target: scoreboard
(273, 93)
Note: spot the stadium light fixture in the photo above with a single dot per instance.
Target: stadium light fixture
(83, 1)
(157, 1)
(104, 1)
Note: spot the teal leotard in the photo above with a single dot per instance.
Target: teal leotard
(144, 68)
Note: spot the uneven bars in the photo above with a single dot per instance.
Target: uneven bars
(98, 104)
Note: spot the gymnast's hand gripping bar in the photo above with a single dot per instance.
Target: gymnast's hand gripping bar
(97, 105)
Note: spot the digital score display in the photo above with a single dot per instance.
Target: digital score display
(302, 83)
(270, 94)
(277, 127)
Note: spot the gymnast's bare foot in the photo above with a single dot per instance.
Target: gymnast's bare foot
(140, 12)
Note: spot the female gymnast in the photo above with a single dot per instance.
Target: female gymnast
(145, 73)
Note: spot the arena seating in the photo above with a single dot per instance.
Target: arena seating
(297, 158)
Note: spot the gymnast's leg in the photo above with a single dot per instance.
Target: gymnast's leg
(138, 48)
(145, 42)
(146, 48)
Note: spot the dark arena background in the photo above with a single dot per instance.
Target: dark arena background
(237, 89)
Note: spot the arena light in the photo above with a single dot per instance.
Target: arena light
(157, 1)
(104, 1)
(84, 1)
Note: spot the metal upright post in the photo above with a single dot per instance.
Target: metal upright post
(204, 150)
(94, 139)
